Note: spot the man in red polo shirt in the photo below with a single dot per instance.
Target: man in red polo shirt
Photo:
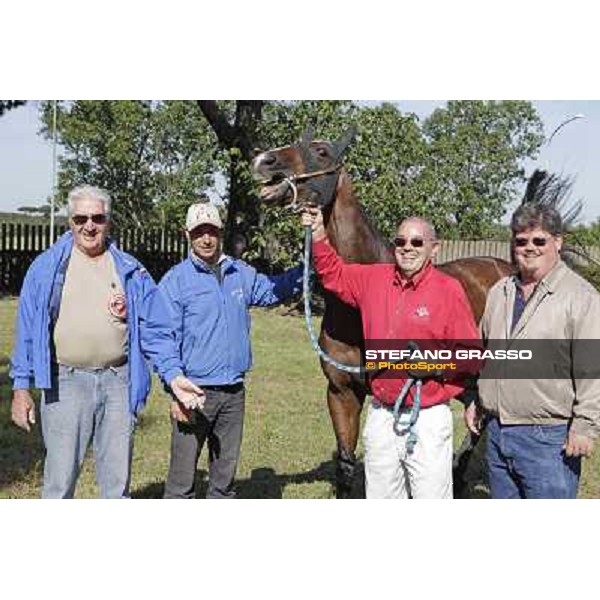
(409, 300)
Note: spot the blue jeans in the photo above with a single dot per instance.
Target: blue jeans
(85, 405)
(528, 461)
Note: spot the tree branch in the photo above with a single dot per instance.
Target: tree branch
(248, 115)
(225, 132)
(242, 134)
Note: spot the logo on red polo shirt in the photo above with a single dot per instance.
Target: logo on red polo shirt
(421, 311)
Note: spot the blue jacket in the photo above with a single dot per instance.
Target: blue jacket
(149, 333)
(211, 319)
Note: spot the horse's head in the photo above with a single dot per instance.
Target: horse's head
(305, 173)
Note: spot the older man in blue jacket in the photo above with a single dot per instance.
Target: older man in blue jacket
(89, 317)
(209, 294)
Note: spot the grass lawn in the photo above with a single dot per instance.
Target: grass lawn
(288, 445)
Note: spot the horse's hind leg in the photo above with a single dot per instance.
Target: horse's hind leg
(345, 404)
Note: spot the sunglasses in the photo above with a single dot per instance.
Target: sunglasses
(521, 242)
(97, 219)
(400, 242)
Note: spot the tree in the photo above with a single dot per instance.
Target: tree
(474, 166)
(186, 157)
(154, 158)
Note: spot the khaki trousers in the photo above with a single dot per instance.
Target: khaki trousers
(393, 473)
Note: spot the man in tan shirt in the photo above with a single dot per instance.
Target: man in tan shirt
(89, 318)
(539, 428)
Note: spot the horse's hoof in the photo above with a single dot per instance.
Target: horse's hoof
(343, 492)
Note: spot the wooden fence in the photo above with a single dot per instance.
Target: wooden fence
(455, 249)
(157, 249)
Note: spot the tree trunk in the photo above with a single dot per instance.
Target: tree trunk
(242, 212)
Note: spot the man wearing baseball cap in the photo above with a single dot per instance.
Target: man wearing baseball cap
(209, 294)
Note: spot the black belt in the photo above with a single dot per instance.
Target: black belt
(230, 388)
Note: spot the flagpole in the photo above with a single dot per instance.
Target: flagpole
(54, 178)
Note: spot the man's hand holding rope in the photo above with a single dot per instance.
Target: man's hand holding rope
(312, 217)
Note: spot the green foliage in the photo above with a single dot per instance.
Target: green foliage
(185, 154)
(495, 231)
(476, 151)
(583, 238)
(585, 235)
(387, 164)
(591, 272)
(154, 158)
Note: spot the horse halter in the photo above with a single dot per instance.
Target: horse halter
(292, 180)
(327, 178)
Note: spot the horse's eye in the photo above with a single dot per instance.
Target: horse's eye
(322, 152)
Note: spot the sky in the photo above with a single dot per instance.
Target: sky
(26, 157)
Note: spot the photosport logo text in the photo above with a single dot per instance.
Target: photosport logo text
(436, 360)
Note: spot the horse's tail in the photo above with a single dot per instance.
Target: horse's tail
(548, 189)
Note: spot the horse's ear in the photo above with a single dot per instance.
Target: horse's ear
(307, 137)
(342, 144)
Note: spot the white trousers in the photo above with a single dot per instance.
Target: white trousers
(393, 473)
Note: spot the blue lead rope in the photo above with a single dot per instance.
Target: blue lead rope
(414, 414)
(308, 311)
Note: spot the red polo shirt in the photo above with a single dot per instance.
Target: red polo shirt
(431, 305)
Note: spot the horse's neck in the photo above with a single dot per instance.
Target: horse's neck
(350, 231)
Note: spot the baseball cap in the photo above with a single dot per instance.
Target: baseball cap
(202, 213)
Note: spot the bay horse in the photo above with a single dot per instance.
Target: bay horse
(311, 173)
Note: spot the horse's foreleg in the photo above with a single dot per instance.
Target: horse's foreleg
(345, 404)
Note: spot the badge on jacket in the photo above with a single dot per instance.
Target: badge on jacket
(117, 305)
